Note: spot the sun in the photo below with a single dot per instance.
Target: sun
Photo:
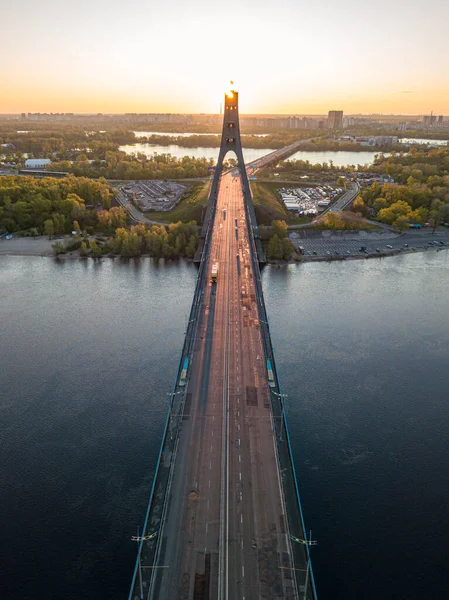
(230, 91)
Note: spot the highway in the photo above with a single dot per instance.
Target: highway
(224, 530)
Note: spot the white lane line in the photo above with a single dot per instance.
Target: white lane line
(240, 458)
(210, 464)
(240, 476)
(243, 571)
(241, 518)
(209, 482)
(240, 443)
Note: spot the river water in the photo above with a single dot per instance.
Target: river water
(89, 352)
(339, 159)
(140, 134)
(249, 154)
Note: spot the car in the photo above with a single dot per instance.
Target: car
(405, 245)
(377, 249)
(336, 253)
(430, 242)
(315, 252)
(389, 246)
(327, 252)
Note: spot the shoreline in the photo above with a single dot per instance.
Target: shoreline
(304, 259)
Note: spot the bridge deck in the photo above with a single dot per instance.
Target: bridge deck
(224, 528)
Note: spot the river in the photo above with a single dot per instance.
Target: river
(90, 350)
(140, 134)
(339, 158)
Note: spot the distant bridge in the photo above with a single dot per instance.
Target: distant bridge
(224, 519)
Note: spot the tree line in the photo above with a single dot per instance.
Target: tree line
(26, 203)
(421, 194)
(158, 241)
(119, 165)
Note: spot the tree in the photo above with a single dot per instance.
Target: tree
(279, 229)
(434, 219)
(359, 206)
(333, 221)
(288, 249)
(49, 228)
(389, 215)
(402, 223)
(275, 249)
(58, 248)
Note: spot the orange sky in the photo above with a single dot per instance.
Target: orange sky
(290, 58)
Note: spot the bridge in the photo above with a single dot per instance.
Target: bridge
(224, 519)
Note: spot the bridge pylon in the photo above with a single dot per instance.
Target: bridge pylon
(231, 141)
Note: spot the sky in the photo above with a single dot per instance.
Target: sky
(286, 56)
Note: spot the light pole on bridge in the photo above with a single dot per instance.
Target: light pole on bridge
(138, 538)
(281, 397)
(306, 542)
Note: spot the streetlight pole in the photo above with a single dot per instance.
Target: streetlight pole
(309, 542)
(280, 396)
(138, 538)
(306, 542)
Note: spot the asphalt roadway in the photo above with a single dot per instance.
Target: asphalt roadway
(340, 245)
(224, 534)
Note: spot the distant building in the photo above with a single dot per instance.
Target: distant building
(36, 163)
(335, 119)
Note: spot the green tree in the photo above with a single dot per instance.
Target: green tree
(275, 249)
(401, 223)
(279, 228)
(58, 248)
(288, 249)
(49, 228)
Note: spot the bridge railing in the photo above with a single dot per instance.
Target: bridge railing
(301, 554)
(148, 549)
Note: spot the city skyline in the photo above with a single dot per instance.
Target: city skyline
(296, 59)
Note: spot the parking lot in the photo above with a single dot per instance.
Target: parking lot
(321, 246)
(153, 195)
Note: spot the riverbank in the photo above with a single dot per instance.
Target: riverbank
(327, 249)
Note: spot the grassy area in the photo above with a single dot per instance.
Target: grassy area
(266, 203)
(343, 221)
(268, 206)
(190, 208)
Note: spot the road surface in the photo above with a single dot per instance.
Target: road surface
(224, 533)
